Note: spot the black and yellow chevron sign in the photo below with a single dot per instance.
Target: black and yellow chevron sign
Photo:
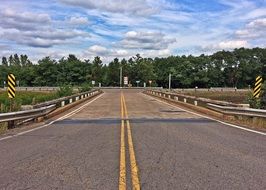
(11, 89)
(257, 87)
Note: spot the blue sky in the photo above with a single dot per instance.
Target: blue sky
(123, 28)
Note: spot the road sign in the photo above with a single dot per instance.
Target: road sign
(150, 81)
(125, 80)
(93, 82)
(257, 88)
(137, 81)
(11, 90)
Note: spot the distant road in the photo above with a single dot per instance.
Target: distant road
(126, 139)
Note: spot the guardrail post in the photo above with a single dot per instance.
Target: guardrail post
(77, 98)
(195, 102)
(176, 98)
(185, 100)
(70, 100)
(62, 103)
(169, 96)
(11, 124)
(40, 119)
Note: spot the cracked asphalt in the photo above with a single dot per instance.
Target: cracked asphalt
(174, 149)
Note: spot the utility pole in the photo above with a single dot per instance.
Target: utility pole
(170, 81)
(121, 77)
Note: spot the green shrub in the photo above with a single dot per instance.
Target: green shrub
(65, 91)
(253, 102)
(85, 87)
(263, 96)
(24, 98)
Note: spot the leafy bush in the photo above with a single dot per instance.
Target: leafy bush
(253, 102)
(85, 87)
(65, 91)
(24, 98)
(263, 96)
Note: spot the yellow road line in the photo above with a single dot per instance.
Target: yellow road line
(122, 173)
(133, 163)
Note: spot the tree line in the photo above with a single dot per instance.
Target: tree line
(237, 68)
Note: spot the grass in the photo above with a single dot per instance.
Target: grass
(3, 127)
(24, 98)
(239, 97)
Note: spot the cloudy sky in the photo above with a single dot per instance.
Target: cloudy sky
(123, 28)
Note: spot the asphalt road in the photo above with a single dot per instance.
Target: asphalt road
(153, 146)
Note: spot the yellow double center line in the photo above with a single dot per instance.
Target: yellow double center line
(133, 163)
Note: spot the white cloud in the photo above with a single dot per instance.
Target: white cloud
(258, 12)
(146, 40)
(26, 16)
(137, 7)
(121, 52)
(108, 54)
(41, 38)
(227, 45)
(156, 53)
(253, 30)
(78, 20)
(23, 20)
(37, 30)
(97, 49)
(233, 44)
(258, 23)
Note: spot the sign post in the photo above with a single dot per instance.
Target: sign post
(150, 82)
(125, 80)
(137, 83)
(257, 88)
(11, 90)
(169, 85)
(121, 73)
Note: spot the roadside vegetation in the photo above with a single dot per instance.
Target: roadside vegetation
(238, 97)
(24, 98)
(259, 103)
(237, 68)
(32, 98)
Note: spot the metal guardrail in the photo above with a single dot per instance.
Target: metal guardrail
(238, 111)
(133, 87)
(192, 99)
(14, 116)
(212, 89)
(66, 100)
(45, 108)
(226, 108)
